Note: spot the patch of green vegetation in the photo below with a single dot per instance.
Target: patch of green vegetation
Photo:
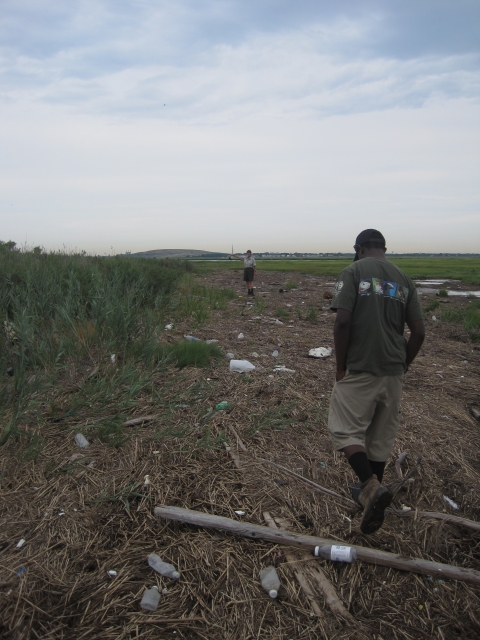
(465, 269)
(468, 315)
(192, 354)
(194, 301)
(432, 305)
(443, 293)
(311, 314)
(281, 313)
(290, 284)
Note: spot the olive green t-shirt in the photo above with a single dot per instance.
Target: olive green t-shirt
(382, 298)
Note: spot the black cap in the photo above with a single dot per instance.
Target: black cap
(368, 235)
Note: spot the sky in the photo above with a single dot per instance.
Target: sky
(270, 125)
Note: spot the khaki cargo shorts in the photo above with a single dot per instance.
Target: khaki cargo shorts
(364, 409)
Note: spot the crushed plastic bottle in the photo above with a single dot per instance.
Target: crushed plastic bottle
(241, 366)
(270, 581)
(240, 336)
(163, 568)
(192, 339)
(150, 599)
(275, 353)
(337, 553)
(221, 406)
(81, 441)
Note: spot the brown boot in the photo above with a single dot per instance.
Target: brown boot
(374, 499)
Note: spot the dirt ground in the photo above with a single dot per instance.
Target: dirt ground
(79, 522)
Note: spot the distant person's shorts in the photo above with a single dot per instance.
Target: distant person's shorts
(248, 274)
(364, 410)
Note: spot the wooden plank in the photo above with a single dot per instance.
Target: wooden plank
(288, 538)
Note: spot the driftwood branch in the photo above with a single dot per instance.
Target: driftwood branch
(374, 556)
(435, 515)
(141, 420)
(310, 482)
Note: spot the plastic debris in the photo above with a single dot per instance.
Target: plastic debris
(150, 599)
(192, 339)
(112, 573)
(211, 341)
(113, 357)
(323, 465)
(147, 481)
(221, 406)
(163, 568)
(20, 543)
(81, 441)
(275, 353)
(230, 356)
(270, 581)
(453, 504)
(181, 406)
(241, 366)
(405, 508)
(320, 352)
(240, 513)
(337, 553)
(277, 321)
(284, 370)
(254, 354)
(10, 372)
(240, 336)
(168, 327)
(20, 571)
(434, 318)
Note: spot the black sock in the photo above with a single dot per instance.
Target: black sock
(361, 465)
(377, 468)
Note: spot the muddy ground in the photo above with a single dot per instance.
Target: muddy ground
(80, 522)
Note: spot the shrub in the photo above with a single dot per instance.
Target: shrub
(281, 313)
(192, 354)
(290, 284)
(443, 293)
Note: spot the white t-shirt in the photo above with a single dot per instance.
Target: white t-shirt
(249, 262)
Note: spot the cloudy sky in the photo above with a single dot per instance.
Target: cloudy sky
(272, 124)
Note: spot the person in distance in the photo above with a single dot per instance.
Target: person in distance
(249, 270)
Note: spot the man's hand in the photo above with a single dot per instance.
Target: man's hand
(341, 335)
(340, 375)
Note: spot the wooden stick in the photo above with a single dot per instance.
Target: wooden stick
(333, 601)
(310, 482)
(239, 441)
(297, 572)
(375, 556)
(234, 456)
(462, 522)
(134, 421)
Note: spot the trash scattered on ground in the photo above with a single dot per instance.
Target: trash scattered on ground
(61, 513)
(240, 336)
(112, 573)
(277, 321)
(20, 543)
(320, 352)
(168, 327)
(221, 406)
(254, 354)
(113, 357)
(147, 481)
(240, 513)
(150, 599)
(405, 508)
(10, 372)
(323, 465)
(434, 318)
(241, 366)
(475, 412)
(211, 341)
(181, 406)
(336, 553)
(270, 581)
(453, 504)
(163, 568)
(91, 464)
(20, 571)
(192, 339)
(81, 441)
(230, 356)
(284, 369)
(275, 353)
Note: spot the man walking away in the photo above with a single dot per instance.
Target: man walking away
(373, 299)
(249, 270)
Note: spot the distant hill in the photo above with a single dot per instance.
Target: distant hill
(178, 253)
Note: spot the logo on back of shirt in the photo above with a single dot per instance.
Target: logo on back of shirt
(384, 288)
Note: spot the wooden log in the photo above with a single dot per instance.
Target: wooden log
(288, 538)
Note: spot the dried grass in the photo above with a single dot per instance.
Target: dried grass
(66, 592)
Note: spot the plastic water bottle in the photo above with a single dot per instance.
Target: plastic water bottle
(336, 552)
(81, 441)
(270, 581)
(150, 599)
(163, 568)
(241, 366)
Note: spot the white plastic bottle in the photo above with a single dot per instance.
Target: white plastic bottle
(150, 599)
(81, 441)
(270, 581)
(241, 366)
(337, 553)
(163, 568)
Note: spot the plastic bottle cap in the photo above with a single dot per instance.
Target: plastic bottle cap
(155, 587)
(273, 593)
(175, 575)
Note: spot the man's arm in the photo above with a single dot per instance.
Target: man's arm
(234, 255)
(341, 335)
(417, 336)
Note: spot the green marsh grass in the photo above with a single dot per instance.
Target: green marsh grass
(468, 316)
